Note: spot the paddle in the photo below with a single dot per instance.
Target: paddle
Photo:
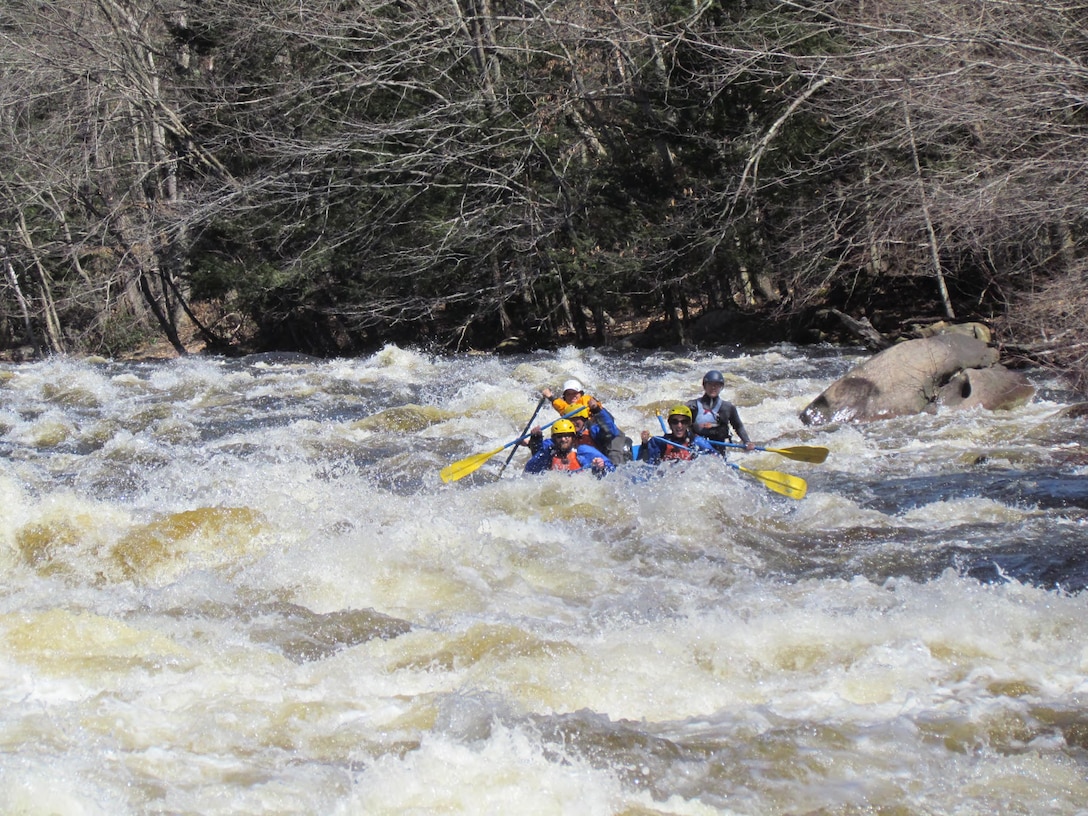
(802, 453)
(524, 431)
(463, 467)
(793, 486)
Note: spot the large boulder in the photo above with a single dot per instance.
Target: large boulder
(952, 369)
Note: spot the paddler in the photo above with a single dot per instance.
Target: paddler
(713, 417)
(562, 453)
(680, 443)
(573, 396)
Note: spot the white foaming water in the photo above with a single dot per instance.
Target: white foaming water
(240, 587)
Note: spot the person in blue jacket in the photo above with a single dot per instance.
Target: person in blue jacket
(680, 443)
(562, 453)
(594, 425)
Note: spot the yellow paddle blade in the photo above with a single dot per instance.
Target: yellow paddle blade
(802, 453)
(793, 486)
(463, 467)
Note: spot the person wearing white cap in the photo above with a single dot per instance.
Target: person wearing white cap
(573, 396)
(596, 425)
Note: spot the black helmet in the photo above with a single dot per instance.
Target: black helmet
(713, 376)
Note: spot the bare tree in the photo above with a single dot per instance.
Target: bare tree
(92, 134)
(978, 109)
(470, 170)
(443, 143)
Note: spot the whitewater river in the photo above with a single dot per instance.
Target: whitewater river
(240, 587)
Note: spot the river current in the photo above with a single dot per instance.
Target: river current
(240, 587)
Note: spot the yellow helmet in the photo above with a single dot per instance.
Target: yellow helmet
(563, 426)
(680, 410)
(584, 413)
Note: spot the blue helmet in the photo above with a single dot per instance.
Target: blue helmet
(713, 376)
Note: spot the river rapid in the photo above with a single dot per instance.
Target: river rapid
(240, 587)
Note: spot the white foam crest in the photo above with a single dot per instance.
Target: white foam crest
(827, 651)
(827, 510)
(974, 510)
(212, 386)
(445, 562)
(47, 430)
(13, 512)
(188, 371)
(493, 411)
(65, 534)
(506, 773)
(539, 547)
(773, 421)
(64, 380)
(402, 364)
(47, 785)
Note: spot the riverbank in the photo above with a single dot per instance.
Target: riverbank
(706, 329)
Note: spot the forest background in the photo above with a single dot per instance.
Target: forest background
(328, 176)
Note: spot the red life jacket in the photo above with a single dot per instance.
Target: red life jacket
(568, 462)
(672, 452)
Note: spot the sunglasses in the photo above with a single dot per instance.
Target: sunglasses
(679, 421)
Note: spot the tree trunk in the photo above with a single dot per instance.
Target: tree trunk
(50, 320)
(934, 251)
(24, 306)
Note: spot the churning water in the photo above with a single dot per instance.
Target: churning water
(239, 587)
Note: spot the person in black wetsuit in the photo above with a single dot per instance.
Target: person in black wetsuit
(713, 417)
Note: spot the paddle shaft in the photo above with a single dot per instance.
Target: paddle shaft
(524, 431)
(801, 453)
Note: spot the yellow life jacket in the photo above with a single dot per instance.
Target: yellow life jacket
(564, 407)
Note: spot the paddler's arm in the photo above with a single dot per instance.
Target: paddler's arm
(603, 416)
(650, 449)
(535, 441)
(558, 403)
(539, 461)
(700, 444)
(590, 457)
(738, 426)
